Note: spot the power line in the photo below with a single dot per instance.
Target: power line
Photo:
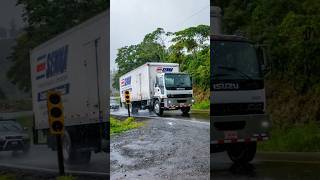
(194, 14)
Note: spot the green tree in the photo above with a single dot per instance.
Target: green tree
(191, 50)
(151, 49)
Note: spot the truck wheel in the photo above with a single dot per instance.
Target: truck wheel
(134, 108)
(242, 152)
(185, 110)
(157, 108)
(71, 155)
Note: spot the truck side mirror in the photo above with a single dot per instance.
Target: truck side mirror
(262, 58)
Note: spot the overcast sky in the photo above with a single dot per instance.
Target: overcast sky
(131, 20)
(9, 12)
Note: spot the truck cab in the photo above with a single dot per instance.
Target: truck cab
(238, 104)
(172, 91)
(157, 86)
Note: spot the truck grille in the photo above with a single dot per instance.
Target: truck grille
(179, 95)
(229, 126)
(236, 109)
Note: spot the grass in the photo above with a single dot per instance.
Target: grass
(300, 138)
(66, 178)
(7, 177)
(202, 105)
(117, 126)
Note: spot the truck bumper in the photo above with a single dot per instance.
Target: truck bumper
(239, 128)
(176, 103)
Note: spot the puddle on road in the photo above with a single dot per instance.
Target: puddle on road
(167, 114)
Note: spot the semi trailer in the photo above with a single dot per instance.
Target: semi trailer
(157, 87)
(76, 64)
(238, 117)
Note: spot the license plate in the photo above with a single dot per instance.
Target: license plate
(14, 143)
(230, 135)
(182, 104)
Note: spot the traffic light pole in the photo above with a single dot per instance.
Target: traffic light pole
(128, 105)
(60, 155)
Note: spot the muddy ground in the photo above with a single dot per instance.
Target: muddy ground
(165, 148)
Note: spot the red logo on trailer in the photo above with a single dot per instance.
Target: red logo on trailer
(122, 82)
(159, 69)
(41, 67)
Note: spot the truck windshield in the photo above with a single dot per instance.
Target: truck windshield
(9, 126)
(234, 60)
(174, 81)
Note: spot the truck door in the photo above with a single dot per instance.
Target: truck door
(159, 89)
(91, 58)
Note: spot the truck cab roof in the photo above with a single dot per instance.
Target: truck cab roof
(234, 38)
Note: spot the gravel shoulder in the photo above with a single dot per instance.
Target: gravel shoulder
(162, 149)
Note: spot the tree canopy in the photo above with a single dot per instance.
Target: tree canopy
(289, 28)
(188, 47)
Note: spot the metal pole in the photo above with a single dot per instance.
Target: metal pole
(60, 155)
(128, 110)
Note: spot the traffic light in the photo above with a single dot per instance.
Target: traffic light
(55, 113)
(127, 96)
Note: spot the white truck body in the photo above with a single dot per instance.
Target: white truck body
(140, 81)
(76, 63)
(157, 86)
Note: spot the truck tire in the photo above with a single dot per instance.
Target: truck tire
(134, 108)
(157, 108)
(242, 152)
(185, 110)
(71, 155)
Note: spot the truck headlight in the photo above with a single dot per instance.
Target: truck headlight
(169, 101)
(192, 100)
(265, 124)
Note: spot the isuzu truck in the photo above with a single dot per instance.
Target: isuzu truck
(76, 64)
(158, 87)
(238, 116)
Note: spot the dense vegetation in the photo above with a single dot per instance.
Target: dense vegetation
(290, 30)
(46, 19)
(189, 48)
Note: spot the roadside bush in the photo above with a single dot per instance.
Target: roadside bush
(118, 126)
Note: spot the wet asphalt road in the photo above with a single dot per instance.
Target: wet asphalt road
(129, 151)
(171, 147)
(268, 166)
(42, 158)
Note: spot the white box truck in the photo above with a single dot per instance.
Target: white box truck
(75, 63)
(157, 86)
(238, 117)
